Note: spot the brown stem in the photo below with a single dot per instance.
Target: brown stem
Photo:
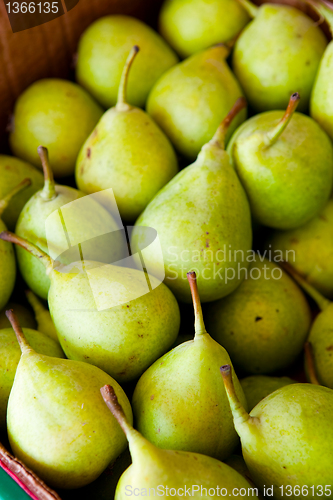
(310, 364)
(115, 407)
(221, 132)
(199, 325)
(24, 346)
(48, 192)
(238, 411)
(272, 136)
(33, 249)
(6, 200)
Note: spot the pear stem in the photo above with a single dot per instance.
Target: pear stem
(309, 360)
(24, 346)
(271, 137)
(122, 105)
(221, 132)
(6, 200)
(111, 401)
(199, 325)
(320, 300)
(48, 192)
(325, 11)
(238, 411)
(33, 249)
(250, 8)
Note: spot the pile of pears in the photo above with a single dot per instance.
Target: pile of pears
(188, 171)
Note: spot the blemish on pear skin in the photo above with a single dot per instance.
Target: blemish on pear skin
(88, 153)
(329, 348)
(258, 318)
(152, 397)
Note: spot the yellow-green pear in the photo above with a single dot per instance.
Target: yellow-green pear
(203, 223)
(58, 114)
(189, 101)
(321, 103)
(309, 249)
(285, 164)
(193, 25)
(171, 472)
(277, 53)
(264, 323)
(179, 402)
(57, 219)
(117, 318)
(287, 439)
(127, 152)
(319, 354)
(102, 52)
(58, 424)
(7, 257)
(10, 354)
(42, 315)
(12, 172)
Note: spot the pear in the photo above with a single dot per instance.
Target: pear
(278, 52)
(257, 387)
(57, 422)
(203, 222)
(128, 153)
(287, 438)
(55, 220)
(189, 101)
(56, 113)
(24, 315)
(309, 249)
(7, 258)
(43, 316)
(117, 318)
(10, 354)
(285, 163)
(321, 103)
(179, 403)
(264, 323)
(320, 337)
(169, 472)
(193, 25)
(12, 172)
(102, 52)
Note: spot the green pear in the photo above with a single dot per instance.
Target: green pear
(321, 103)
(169, 472)
(193, 25)
(7, 257)
(203, 222)
(43, 316)
(51, 220)
(285, 163)
(179, 402)
(57, 422)
(56, 113)
(10, 354)
(320, 352)
(12, 172)
(287, 439)
(117, 318)
(189, 101)
(277, 53)
(103, 49)
(264, 323)
(24, 315)
(309, 249)
(128, 153)
(257, 387)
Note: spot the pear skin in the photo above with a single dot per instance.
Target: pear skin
(257, 387)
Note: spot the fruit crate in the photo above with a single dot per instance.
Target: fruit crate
(48, 50)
